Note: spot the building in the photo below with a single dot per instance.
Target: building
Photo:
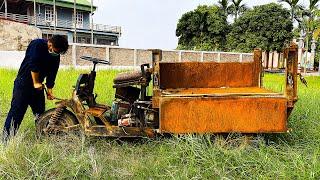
(42, 13)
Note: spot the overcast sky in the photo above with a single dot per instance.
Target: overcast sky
(150, 23)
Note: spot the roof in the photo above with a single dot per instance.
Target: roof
(83, 5)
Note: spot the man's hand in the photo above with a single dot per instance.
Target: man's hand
(38, 86)
(50, 94)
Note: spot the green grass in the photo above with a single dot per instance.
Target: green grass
(294, 155)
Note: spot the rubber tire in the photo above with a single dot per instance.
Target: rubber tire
(127, 76)
(67, 119)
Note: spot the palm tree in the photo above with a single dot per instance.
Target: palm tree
(236, 8)
(312, 10)
(310, 23)
(295, 7)
(224, 6)
(313, 4)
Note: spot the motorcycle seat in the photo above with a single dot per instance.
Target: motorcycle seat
(128, 77)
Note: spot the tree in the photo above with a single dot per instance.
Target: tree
(236, 8)
(309, 24)
(295, 8)
(267, 27)
(309, 14)
(224, 6)
(204, 28)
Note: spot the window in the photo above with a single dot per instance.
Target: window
(79, 19)
(49, 15)
(106, 41)
(46, 36)
(83, 40)
(103, 41)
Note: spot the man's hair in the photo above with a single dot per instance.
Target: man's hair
(60, 42)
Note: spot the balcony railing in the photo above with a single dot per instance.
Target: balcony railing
(60, 23)
(17, 17)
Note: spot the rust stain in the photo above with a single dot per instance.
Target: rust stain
(218, 115)
(207, 75)
(217, 91)
(96, 111)
(291, 54)
(257, 58)
(116, 131)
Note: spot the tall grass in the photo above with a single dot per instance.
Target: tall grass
(294, 155)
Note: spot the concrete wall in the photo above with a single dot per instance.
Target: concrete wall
(135, 57)
(130, 58)
(11, 59)
(276, 60)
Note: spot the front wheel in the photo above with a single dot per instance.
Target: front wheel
(66, 119)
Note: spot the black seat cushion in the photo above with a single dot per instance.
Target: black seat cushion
(128, 77)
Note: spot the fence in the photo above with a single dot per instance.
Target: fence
(131, 58)
(125, 58)
(59, 24)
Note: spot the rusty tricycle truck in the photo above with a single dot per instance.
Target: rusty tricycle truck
(187, 97)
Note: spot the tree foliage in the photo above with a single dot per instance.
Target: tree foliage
(204, 28)
(224, 6)
(267, 27)
(236, 8)
(295, 9)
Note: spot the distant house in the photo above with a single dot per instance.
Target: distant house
(42, 16)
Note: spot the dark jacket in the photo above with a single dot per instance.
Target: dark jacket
(38, 59)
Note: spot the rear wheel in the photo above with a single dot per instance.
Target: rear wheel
(67, 119)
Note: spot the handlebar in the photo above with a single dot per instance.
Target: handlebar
(95, 60)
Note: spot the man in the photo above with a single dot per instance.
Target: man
(41, 62)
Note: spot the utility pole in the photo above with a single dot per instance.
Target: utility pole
(35, 12)
(54, 16)
(5, 9)
(92, 22)
(75, 21)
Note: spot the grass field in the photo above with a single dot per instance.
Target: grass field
(295, 155)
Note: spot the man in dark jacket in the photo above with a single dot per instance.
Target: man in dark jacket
(41, 62)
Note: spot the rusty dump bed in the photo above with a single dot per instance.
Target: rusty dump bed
(213, 97)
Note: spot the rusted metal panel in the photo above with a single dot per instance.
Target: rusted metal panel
(223, 114)
(257, 57)
(247, 91)
(207, 75)
(156, 59)
(117, 131)
(291, 54)
(155, 98)
(96, 111)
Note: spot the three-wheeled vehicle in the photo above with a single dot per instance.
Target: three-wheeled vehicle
(187, 97)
